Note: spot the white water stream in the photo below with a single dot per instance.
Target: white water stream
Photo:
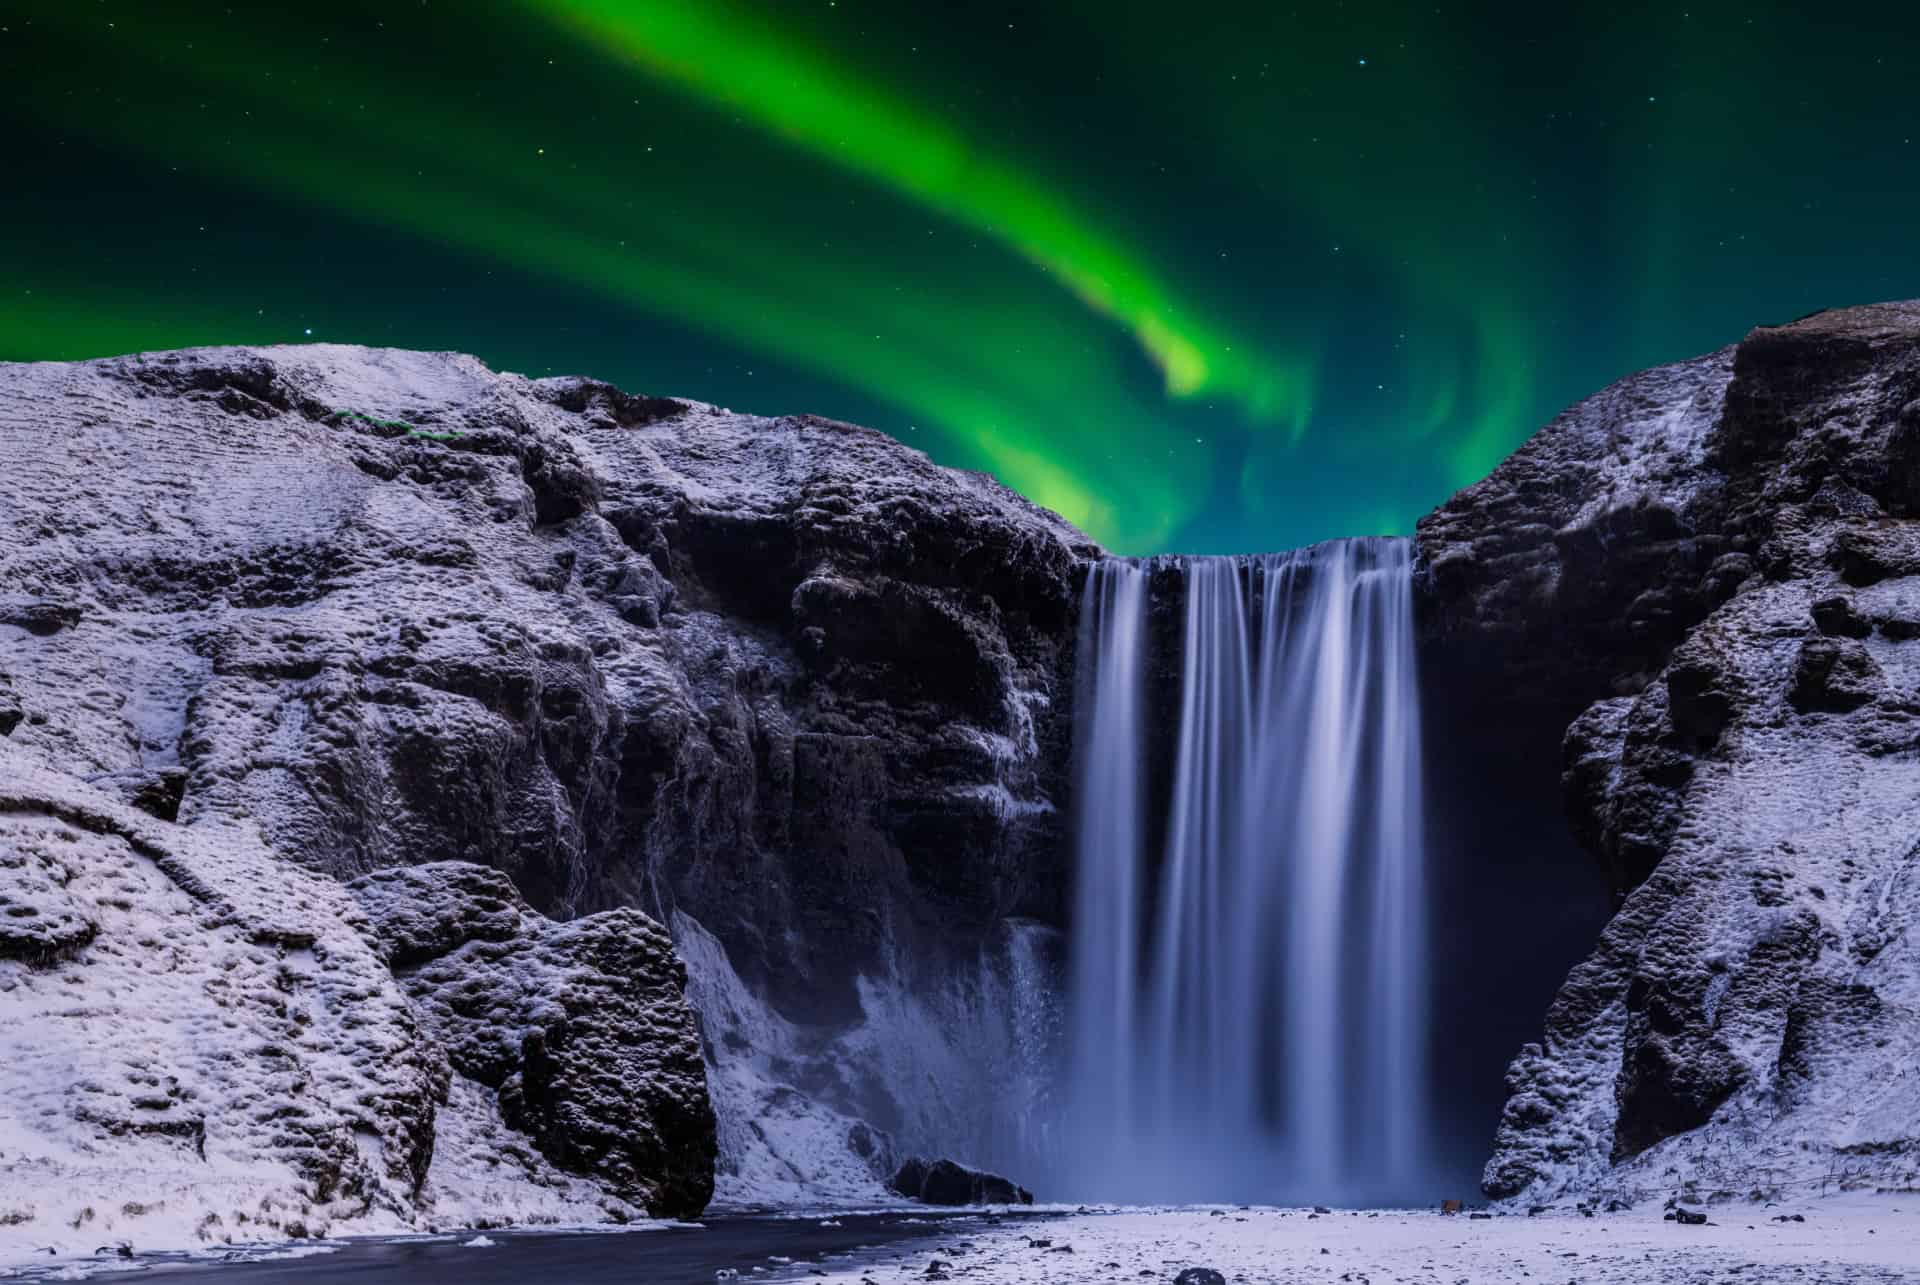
(1249, 1013)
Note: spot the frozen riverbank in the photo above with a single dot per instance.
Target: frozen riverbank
(1852, 1240)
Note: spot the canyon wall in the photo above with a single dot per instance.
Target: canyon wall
(781, 685)
(1709, 575)
(495, 683)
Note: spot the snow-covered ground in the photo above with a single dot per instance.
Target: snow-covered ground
(1859, 1240)
(1850, 1240)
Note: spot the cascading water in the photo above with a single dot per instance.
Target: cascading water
(1249, 1017)
(1105, 938)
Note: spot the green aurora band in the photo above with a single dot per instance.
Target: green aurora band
(1237, 281)
(745, 64)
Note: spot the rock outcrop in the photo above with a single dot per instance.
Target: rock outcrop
(1723, 557)
(207, 1043)
(581, 1028)
(781, 679)
(943, 1182)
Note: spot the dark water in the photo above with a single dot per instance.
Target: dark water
(691, 1253)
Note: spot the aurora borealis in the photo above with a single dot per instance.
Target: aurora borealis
(1208, 277)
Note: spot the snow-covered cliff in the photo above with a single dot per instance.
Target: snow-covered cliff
(368, 719)
(781, 683)
(1721, 561)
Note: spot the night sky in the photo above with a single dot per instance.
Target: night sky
(1201, 277)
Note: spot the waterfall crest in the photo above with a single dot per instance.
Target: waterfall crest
(1249, 987)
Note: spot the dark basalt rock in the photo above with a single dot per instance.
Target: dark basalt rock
(1676, 1074)
(1552, 579)
(582, 1027)
(157, 792)
(1834, 675)
(39, 618)
(1836, 616)
(1718, 559)
(942, 1182)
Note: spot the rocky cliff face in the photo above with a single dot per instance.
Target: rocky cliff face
(1721, 560)
(781, 682)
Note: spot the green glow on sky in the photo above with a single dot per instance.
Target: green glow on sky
(1236, 278)
(818, 310)
(748, 64)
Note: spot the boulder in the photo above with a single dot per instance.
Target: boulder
(1834, 675)
(943, 1182)
(582, 1028)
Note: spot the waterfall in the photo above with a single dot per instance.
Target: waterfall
(1105, 937)
(1249, 1012)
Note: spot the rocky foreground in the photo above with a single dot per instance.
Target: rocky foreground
(206, 1043)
